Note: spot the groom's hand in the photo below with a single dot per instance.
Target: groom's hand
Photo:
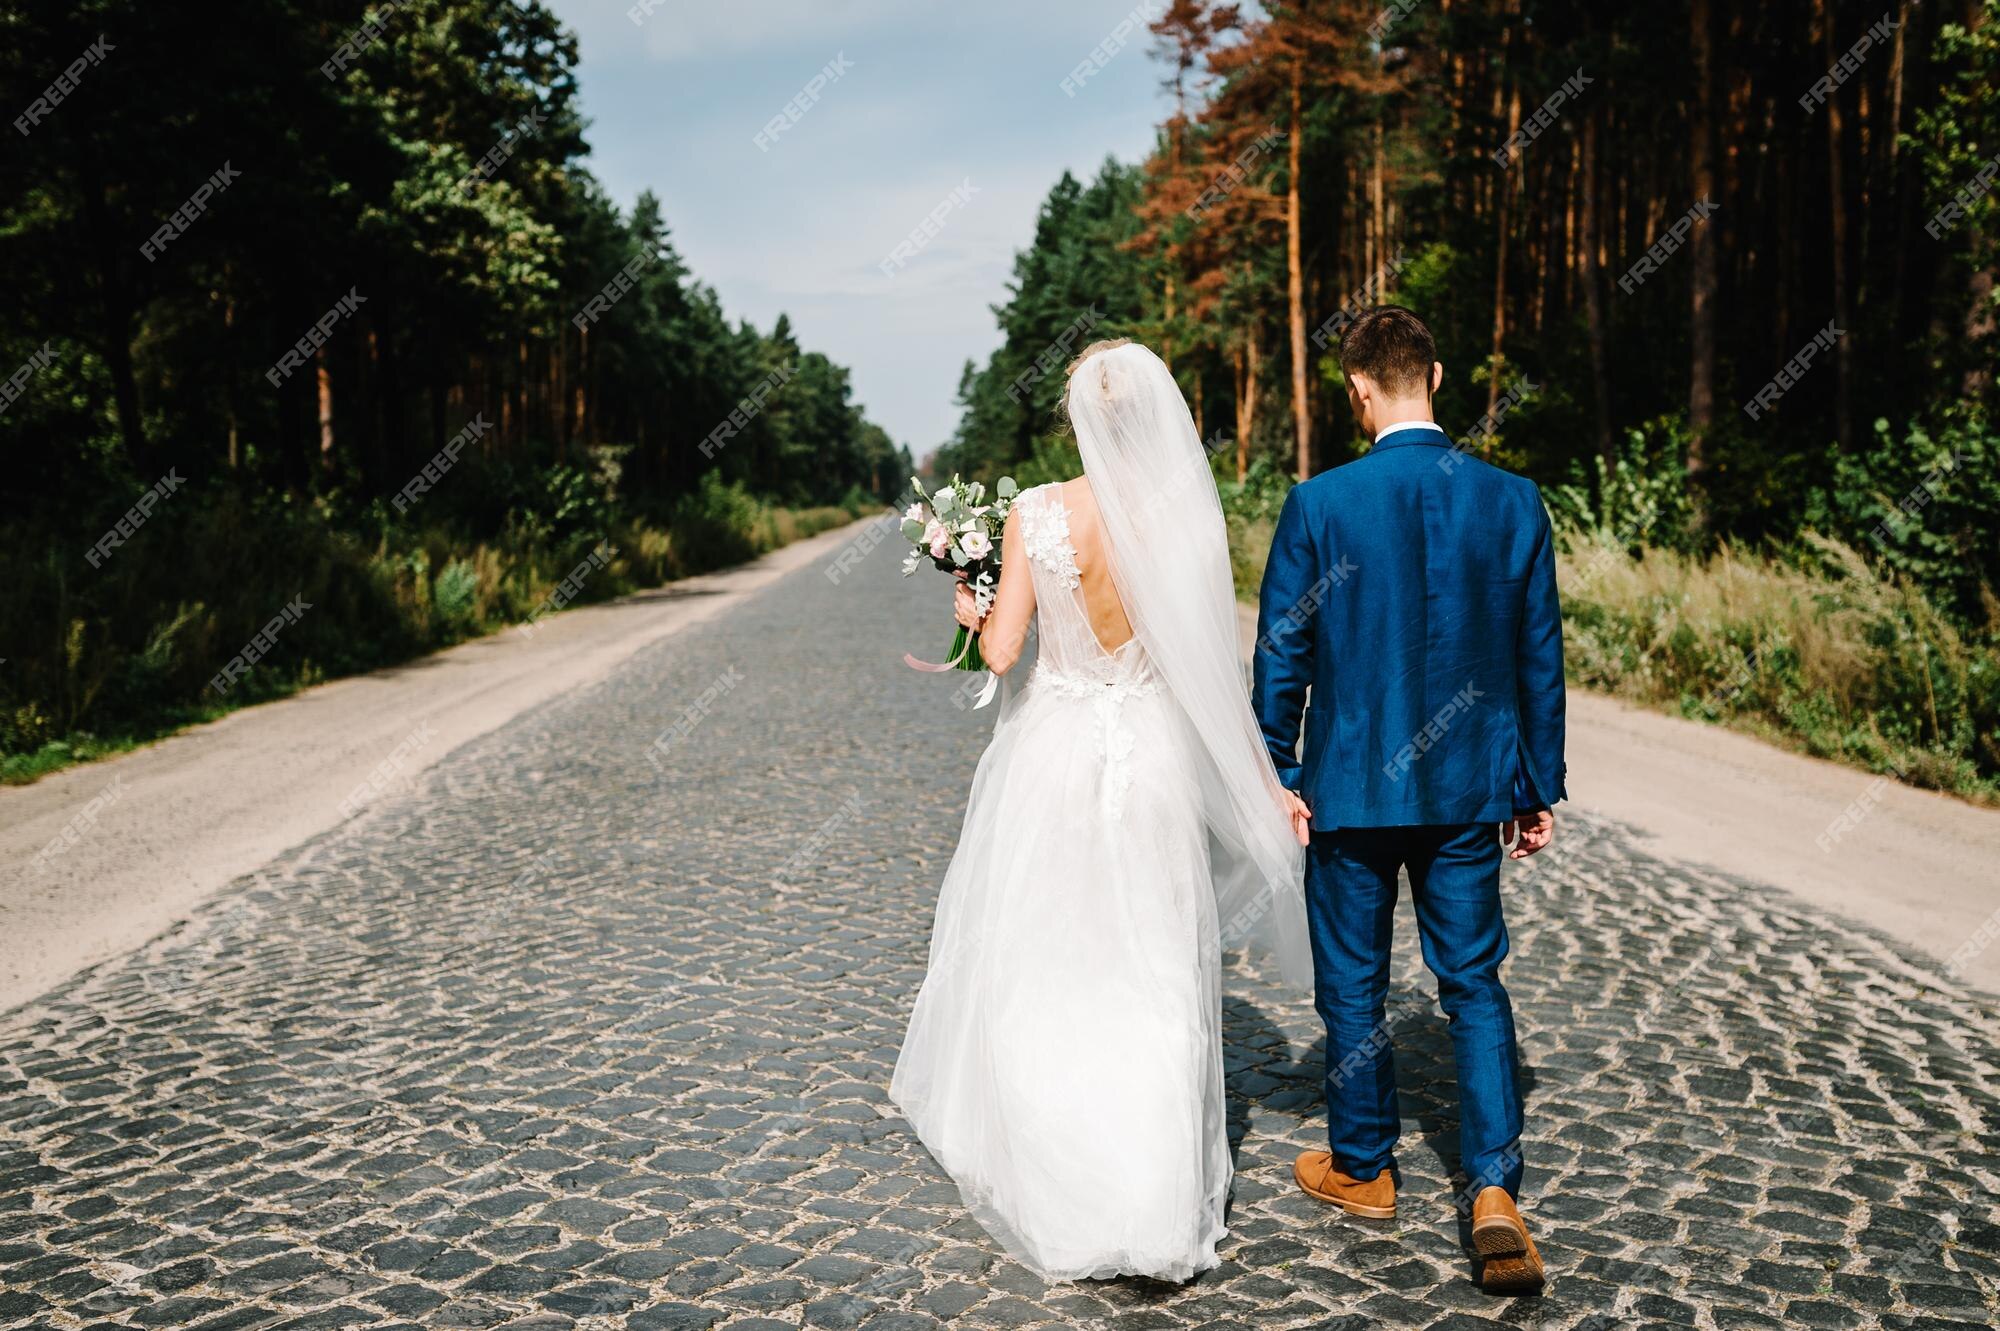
(1302, 818)
(1528, 833)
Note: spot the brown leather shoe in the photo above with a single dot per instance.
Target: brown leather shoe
(1375, 1198)
(1510, 1263)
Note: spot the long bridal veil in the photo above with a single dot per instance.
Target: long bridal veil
(1170, 561)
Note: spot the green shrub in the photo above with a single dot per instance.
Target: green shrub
(454, 596)
(1054, 458)
(95, 664)
(1926, 504)
(1816, 648)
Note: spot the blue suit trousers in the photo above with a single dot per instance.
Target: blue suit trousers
(1351, 888)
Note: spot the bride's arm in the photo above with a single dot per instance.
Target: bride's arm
(1004, 632)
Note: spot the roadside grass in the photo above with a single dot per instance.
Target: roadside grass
(1813, 650)
(103, 665)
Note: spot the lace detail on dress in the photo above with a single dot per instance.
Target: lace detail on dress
(1109, 729)
(1075, 686)
(1047, 536)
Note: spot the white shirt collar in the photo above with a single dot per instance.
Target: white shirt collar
(1388, 430)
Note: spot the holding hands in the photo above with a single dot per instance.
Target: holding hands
(1528, 833)
(1301, 817)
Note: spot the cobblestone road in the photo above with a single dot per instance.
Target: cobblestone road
(592, 1028)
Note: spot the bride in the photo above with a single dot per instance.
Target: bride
(1064, 1060)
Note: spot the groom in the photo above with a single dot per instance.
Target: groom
(1413, 592)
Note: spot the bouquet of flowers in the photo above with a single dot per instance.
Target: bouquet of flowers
(957, 529)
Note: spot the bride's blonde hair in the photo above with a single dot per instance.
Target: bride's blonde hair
(1091, 350)
(1107, 344)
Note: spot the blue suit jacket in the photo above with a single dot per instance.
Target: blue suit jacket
(1413, 591)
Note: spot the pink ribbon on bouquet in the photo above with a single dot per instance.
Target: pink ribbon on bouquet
(985, 694)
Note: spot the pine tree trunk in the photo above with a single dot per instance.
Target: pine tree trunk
(1375, 249)
(1593, 292)
(522, 413)
(1295, 288)
(1246, 401)
(557, 407)
(583, 422)
(235, 455)
(1503, 222)
(1245, 356)
(1702, 258)
(1843, 350)
(1236, 359)
(325, 380)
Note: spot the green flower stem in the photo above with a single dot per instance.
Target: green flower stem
(973, 660)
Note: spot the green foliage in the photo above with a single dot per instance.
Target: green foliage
(104, 661)
(1957, 141)
(480, 300)
(1927, 506)
(1641, 500)
(454, 596)
(721, 523)
(1816, 648)
(1054, 458)
(1250, 510)
(1260, 494)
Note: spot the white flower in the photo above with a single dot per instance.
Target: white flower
(943, 496)
(976, 544)
(914, 513)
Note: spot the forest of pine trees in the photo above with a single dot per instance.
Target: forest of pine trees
(434, 170)
(269, 261)
(1622, 222)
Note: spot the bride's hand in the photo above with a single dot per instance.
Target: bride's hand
(965, 608)
(1301, 818)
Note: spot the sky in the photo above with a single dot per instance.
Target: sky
(934, 102)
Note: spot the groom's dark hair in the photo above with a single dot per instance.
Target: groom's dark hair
(1392, 346)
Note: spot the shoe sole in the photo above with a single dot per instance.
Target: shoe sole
(1352, 1208)
(1510, 1263)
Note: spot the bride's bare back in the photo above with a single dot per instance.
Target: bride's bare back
(1093, 565)
(1004, 633)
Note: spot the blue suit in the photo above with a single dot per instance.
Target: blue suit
(1409, 624)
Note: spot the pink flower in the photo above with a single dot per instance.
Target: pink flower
(938, 538)
(976, 544)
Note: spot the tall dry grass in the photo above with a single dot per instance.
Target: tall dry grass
(1815, 649)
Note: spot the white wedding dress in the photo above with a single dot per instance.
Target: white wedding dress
(1064, 1059)
(1064, 1062)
